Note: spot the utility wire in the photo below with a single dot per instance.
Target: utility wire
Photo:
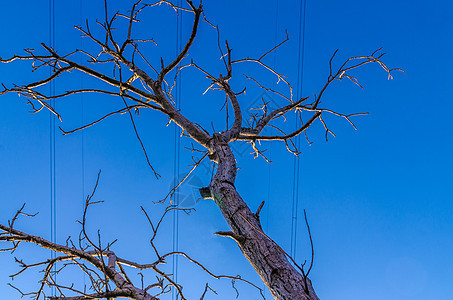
(82, 117)
(296, 176)
(270, 146)
(52, 158)
(177, 157)
(269, 177)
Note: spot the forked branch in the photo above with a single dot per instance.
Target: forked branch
(253, 134)
(99, 263)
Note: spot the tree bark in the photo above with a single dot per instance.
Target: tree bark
(269, 261)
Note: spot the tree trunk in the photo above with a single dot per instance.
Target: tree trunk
(266, 257)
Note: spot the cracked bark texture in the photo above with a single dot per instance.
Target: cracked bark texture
(266, 257)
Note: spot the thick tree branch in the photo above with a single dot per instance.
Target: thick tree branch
(104, 295)
(282, 137)
(186, 48)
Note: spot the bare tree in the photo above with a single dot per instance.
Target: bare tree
(141, 85)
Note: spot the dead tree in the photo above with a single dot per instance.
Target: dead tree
(139, 89)
(107, 273)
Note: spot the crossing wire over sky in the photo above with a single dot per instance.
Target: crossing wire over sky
(177, 155)
(52, 144)
(296, 177)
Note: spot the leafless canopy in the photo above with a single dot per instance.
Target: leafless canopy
(140, 90)
(107, 273)
(141, 85)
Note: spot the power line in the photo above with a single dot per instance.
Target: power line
(266, 224)
(177, 157)
(296, 176)
(52, 158)
(82, 117)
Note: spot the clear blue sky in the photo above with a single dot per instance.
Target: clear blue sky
(377, 198)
